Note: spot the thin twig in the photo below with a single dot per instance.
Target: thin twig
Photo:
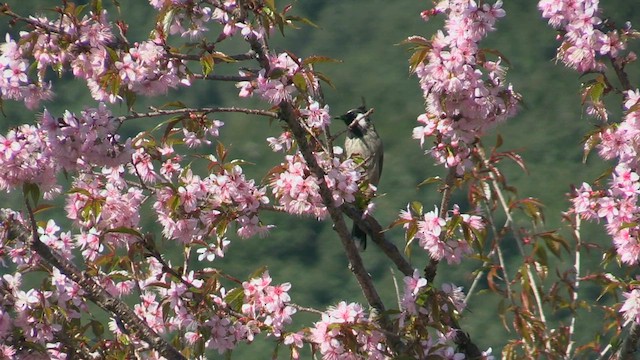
(216, 77)
(511, 224)
(576, 283)
(155, 112)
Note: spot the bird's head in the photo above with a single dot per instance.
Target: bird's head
(357, 120)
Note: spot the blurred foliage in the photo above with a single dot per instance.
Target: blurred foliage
(363, 34)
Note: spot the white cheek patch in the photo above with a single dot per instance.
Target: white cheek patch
(362, 121)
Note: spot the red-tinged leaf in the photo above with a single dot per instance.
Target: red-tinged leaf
(170, 126)
(316, 59)
(416, 40)
(217, 55)
(398, 222)
(499, 141)
(42, 207)
(554, 241)
(495, 52)
(517, 159)
(293, 57)
(411, 232)
(491, 276)
(431, 180)
(278, 169)
(325, 78)
(541, 254)
(221, 151)
(417, 58)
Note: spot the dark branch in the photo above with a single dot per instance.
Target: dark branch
(629, 347)
(375, 230)
(99, 296)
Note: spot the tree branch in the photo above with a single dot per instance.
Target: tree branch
(99, 296)
(236, 78)
(375, 230)
(629, 346)
(205, 110)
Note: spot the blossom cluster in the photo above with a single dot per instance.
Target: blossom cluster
(345, 332)
(438, 236)
(297, 190)
(97, 205)
(191, 20)
(416, 318)
(25, 157)
(268, 303)
(465, 93)
(618, 204)
(275, 84)
(191, 210)
(584, 34)
(89, 49)
(35, 315)
(586, 39)
(79, 142)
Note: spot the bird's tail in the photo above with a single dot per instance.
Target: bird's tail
(359, 236)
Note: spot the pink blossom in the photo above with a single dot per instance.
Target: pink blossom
(631, 307)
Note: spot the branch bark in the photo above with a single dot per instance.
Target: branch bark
(98, 295)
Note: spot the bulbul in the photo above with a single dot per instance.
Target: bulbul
(363, 141)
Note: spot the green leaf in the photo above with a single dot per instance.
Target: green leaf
(42, 207)
(125, 230)
(31, 192)
(431, 180)
(167, 19)
(417, 207)
(97, 328)
(97, 6)
(235, 298)
(173, 105)
(300, 82)
(303, 20)
(315, 59)
(271, 4)
(207, 63)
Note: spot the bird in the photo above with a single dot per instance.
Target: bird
(363, 141)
